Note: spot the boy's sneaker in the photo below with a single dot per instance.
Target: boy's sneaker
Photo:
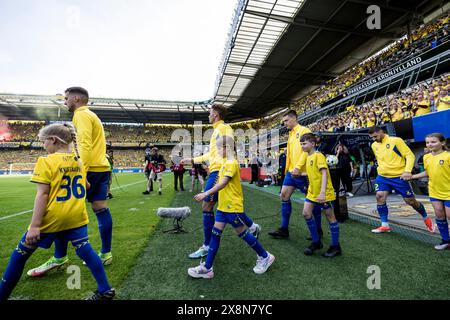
(51, 264)
(200, 253)
(146, 192)
(442, 246)
(159, 192)
(429, 223)
(333, 251)
(280, 233)
(105, 257)
(381, 230)
(257, 231)
(200, 271)
(313, 247)
(107, 295)
(262, 264)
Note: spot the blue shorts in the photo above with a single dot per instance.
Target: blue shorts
(210, 183)
(388, 184)
(99, 185)
(324, 206)
(235, 219)
(47, 239)
(300, 183)
(444, 202)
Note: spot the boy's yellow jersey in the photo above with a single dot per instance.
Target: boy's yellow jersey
(231, 198)
(91, 140)
(66, 206)
(294, 148)
(314, 164)
(438, 170)
(221, 129)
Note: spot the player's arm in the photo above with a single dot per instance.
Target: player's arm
(199, 159)
(301, 161)
(84, 128)
(300, 164)
(322, 167)
(323, 186)
(40, 204)
(419, 175)
(219, 186)
(409, 156)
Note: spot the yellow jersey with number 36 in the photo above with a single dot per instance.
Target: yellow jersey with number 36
(438, 170)
(314, 165)
(66, 205)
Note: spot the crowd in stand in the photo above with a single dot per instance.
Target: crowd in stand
(426, 97)
(142, 134)
(19, 158)
(22, 131)
(425, 37)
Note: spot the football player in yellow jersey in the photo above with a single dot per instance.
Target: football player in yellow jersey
(293, 179)
(437, 168)
(216, 118)
(230, 210)
(320, 194)
(92, 147)
(395, 163)
(59, 211)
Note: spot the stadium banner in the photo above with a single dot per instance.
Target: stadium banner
(4, 172)
(117, 170)
(127, 170)
(398, 69)
(386, 75)
(14, 145)
(426, 124)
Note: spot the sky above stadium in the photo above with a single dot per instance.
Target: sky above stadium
(142, 49)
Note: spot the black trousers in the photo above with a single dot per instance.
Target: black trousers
(255, 170)
(345, 176)
(178, 176)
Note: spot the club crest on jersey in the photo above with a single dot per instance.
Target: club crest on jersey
(388, 146)
(298, 135)
(441, 162)
(311, 163)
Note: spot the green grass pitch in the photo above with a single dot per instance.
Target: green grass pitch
(150, 264)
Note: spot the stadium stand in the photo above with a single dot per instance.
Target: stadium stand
(428, 96)
(423, 38)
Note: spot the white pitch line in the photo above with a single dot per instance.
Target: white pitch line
(16, 214)
(28, 211)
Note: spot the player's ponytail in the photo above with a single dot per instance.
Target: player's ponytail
(441, 138)
(73, 136)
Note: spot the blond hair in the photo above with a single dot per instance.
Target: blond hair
(63, 132)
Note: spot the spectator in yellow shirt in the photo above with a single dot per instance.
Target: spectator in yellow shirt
(443, 101)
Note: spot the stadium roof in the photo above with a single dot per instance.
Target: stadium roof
(277, 48)
(52, 108)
